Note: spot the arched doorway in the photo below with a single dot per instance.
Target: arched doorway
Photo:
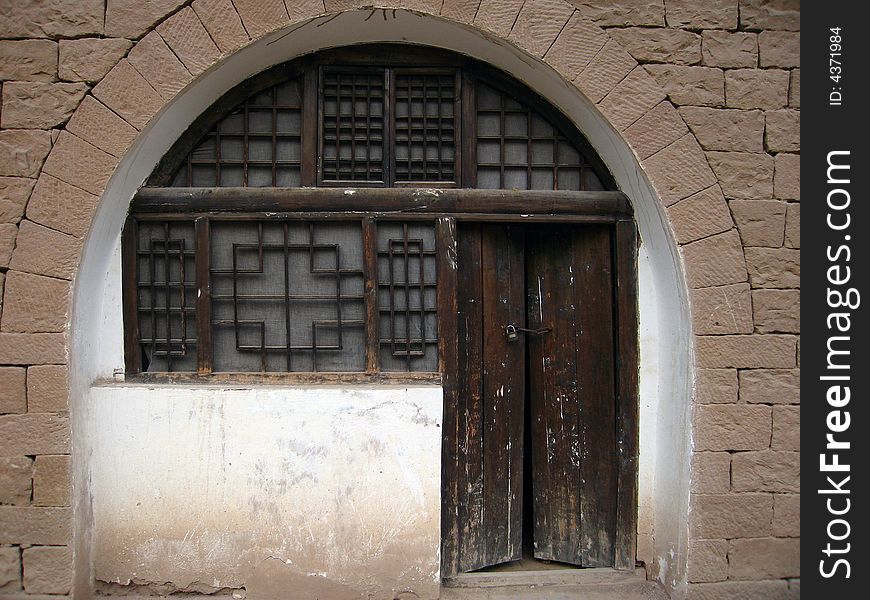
(644, 217)
(232, 273)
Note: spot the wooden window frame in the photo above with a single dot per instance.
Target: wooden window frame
(443, 207)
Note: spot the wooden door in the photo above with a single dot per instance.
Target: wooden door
(491, 383)
(573, 370)
(572, 386)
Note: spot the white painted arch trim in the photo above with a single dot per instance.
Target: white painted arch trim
(96, 348)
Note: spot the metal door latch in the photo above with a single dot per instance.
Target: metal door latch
(513, 332)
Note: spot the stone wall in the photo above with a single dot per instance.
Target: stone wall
(707, 94)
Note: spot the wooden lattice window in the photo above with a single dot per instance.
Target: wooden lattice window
(223, 278)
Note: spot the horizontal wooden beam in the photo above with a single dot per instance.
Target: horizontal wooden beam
(391, 200)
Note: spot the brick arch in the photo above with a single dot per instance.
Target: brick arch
(189, 40)
(191, 37)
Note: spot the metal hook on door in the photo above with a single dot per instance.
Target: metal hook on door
(513, 332)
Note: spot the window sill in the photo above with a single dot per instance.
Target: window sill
(277, 379)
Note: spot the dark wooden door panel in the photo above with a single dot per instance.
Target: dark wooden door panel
(492, 388)
(570, 292)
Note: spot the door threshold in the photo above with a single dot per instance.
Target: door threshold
(545, 577)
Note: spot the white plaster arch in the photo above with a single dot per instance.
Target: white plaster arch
(96, 349)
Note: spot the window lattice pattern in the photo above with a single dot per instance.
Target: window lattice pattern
(166, 284)
(287, 296)
(407, 297)
(518, 149)
(424, 127)
(352, 128)
(257, 145)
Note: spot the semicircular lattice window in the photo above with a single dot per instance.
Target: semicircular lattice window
(217, 288)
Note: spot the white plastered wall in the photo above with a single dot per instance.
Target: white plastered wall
(96, 325)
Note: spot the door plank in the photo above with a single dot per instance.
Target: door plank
(627, 393)
(470, 311)
(596, 394)
(555, 410)
(503, 390)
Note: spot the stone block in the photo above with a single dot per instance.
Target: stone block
(96, 124)
(32, 349)
(729, 50)
(47, 388)
(697, 86)
(35, 525)
(708, 560)
(621, 13)
(766, 89)
(746, 351)
(692, 14)
(722, 310)
(8, 234)
(14, 193)
(460, 10)
(726, 516)
(766, 471)
(632, 98)
(777, 311)
(79, 163)
(604, 71)
(786, 428)
(716, 386)
(764, 558)
(34, 304)
(730, 427)
(760, 222)
(189, 40)
(22, 152)
(127, 93)
(679, 170)
(498, 16)
(782, 132)
(159, 65)
(658, 128)
(16, 474)
(12, 390)
(787, 176)
(575, 46)
(793, 225)
(660, 45)
(28, 60)
(700, 215)
(51, 480)
(222, 22)
(743, 175)
(715, 260)
(726, 129)
(711, 472)
(68, 18)
(44, 251)
(779, 49)
(740, 590)
(39, 105)
(61, 206)
(48, 570)
(34, 433)
(538, 24)
(787, 515)
(770, 14)
(770, 386)
(262, 16)
(10, 569)
(794, 89)
(299, 10)
(773, 267)
(89, 59)
(132, 18)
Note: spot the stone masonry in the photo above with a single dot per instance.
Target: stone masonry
(706, 92)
